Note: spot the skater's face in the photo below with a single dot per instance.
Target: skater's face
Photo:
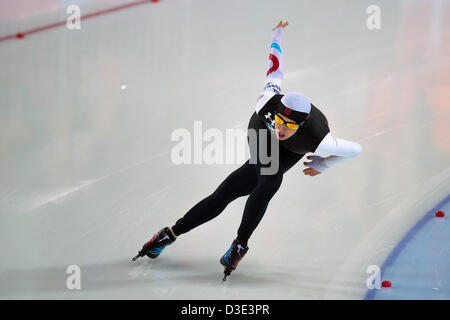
(282, 131)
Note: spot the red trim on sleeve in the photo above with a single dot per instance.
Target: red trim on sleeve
(275, 64)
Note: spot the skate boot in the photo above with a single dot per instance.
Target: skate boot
(156, 245)
(232, 257)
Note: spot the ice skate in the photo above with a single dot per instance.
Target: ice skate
(232, 257)
(156, 244)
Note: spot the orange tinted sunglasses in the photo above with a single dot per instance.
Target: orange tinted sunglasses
(290, 125)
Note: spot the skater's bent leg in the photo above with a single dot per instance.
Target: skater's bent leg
(257, 203)
(240, 182)
(258, 200)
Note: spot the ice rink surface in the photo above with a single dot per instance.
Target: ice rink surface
(86, 175)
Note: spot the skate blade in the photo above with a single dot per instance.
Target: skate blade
(227, 273)
(137, 256)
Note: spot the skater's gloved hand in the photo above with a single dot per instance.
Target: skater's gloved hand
(281, 24)
(278, 31)
(315, 166)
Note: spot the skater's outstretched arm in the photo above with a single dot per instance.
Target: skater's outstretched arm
(274, 73)
(330, 152)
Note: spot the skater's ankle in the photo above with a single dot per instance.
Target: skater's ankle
(173, 233)
(242, 242)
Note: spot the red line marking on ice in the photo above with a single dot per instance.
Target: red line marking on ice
(21, 35)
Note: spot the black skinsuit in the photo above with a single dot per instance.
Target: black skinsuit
(248, 180)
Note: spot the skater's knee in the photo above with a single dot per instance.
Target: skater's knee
(231, 189)
(224, 194)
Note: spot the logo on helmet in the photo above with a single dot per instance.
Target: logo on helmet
(287, 111)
